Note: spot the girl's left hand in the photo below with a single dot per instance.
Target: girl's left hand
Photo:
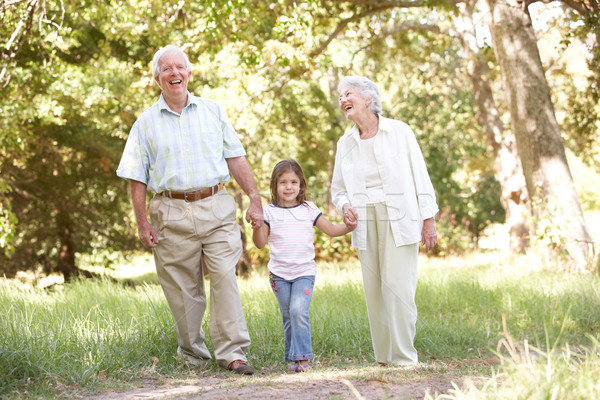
(351, 225)
(350, 214)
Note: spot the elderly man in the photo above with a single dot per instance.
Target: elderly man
(184, 149)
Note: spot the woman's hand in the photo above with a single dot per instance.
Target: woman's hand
(428, 234)
(350, 216)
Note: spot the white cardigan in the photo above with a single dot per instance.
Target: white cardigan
(409, 194)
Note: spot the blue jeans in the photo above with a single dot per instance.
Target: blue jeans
(294, 298)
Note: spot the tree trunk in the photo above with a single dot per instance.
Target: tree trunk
(243, 265)
(507, 166)
(555, 204)
(66, 261)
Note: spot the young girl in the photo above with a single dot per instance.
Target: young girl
(288, 227)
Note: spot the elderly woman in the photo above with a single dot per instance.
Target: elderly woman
(380, 179)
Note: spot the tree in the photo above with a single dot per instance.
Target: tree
(66, 106)
(534, 124)
(507, 165)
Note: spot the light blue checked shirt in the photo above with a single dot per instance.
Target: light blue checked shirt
(168, 151)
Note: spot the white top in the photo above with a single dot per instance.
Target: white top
(373, 182)
(291, 236)
(409, 194)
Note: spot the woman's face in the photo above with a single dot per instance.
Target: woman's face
(353, 104)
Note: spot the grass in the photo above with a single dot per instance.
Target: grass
(94, 334)
(464, 305)
(533, 373)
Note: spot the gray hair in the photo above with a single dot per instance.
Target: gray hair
(161, 52)
(366, 88)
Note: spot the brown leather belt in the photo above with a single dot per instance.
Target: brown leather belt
(193, 195)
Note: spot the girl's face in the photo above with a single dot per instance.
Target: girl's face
(288, 188)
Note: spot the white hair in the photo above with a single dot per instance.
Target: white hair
(365, 87)
(161, 52)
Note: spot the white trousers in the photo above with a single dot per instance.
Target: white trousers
(390, 283)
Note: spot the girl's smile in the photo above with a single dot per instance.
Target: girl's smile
(288, 188)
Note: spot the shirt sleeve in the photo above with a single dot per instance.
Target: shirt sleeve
(267, 217)
(315, 213)
(135, 161)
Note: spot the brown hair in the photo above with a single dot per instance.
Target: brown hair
(285, 166)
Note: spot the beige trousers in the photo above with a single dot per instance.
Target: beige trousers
(390, 283)
(190, 234)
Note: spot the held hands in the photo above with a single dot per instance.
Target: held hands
(254, 220)
(350, 217)
(428, 234)
(254, 215)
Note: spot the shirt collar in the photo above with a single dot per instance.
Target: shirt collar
(162, 103)
(276, 206)
(384, 125)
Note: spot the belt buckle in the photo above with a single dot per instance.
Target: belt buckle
(185, 197)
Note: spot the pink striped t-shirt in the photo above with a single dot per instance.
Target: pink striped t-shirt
(291, 239)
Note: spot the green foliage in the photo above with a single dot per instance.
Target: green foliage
(453, 236)
(75, 75)
(337, 249)
(587, 181)
(8, 221)
(582, 121)
(60, 163)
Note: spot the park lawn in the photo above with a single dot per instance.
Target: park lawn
(94, 335)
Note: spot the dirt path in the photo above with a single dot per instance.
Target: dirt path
(365, 383)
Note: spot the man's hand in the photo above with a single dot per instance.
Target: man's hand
(254, 214)
(147, 235)
(145, 229)
(428, 234)
(239, 169)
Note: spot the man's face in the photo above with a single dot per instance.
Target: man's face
(173, 76)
